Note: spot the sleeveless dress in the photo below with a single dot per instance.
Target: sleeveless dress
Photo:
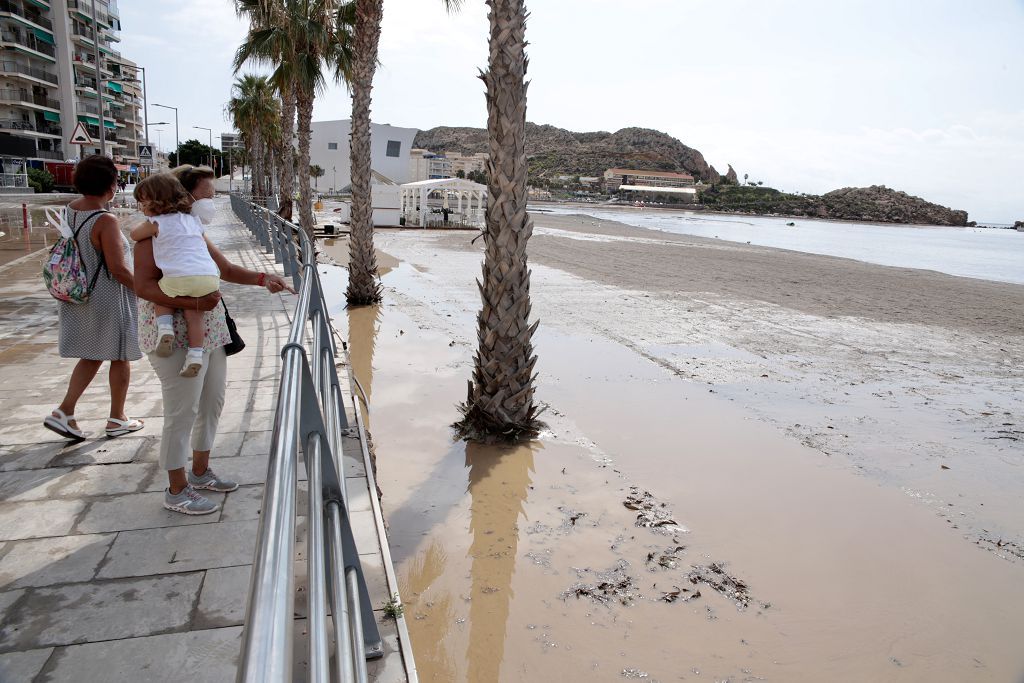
(106, 326)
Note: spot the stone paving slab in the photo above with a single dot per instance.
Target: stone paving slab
(99, 610)
(206, 656)
(97, 581)
(47, 561)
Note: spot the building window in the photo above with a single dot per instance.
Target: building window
(394, 148)
(332, 145)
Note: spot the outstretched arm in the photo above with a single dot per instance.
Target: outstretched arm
(229, 272)
(147, 276)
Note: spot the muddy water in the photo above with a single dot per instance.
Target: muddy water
(850, 581)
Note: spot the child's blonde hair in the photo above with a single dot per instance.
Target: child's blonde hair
(164, 193)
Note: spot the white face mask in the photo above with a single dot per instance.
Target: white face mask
(204, 210)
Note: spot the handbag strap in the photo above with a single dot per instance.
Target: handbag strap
(102, 265)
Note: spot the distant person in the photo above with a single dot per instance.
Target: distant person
(104, 328)
(192, 406)
(183, 256)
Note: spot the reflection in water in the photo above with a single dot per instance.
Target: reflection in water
(363, 325)
(431, 654)
(499, 479)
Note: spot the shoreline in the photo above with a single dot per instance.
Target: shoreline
(704, 210)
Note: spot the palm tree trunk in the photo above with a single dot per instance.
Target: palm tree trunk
(363, 286)
(304, 104)
(257, 165)
(500, 405)
(288, 153)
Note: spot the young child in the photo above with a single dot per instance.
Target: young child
(181, 253)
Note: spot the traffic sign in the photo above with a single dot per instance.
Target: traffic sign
(145, 152)
(80, 136)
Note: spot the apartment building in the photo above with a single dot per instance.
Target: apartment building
(426, 165)
(231, 141)
(467, 163)
(48, 84)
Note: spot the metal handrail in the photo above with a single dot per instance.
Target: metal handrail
(310, 415)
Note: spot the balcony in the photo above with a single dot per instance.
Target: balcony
(16, 125)
(31, 42)
(16, 95)
(35, 17)
(47, 154)
(34, 72)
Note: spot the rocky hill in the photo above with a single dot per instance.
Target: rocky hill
(877, 204)
(880, 203)
(553, 151)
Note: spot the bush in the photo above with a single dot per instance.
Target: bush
(40, 180)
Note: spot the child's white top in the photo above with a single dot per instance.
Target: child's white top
(179, 249)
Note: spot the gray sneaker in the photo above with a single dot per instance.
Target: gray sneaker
(189, 502)
(210, 481)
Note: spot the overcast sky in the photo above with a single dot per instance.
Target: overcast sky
(925, 96)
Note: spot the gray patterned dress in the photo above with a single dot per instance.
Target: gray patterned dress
(106, 326)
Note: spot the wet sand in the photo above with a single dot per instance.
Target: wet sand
(851, 578)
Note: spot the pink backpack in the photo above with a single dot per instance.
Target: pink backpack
(64, 272)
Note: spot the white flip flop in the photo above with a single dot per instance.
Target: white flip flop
(123, 427)
(60, 423)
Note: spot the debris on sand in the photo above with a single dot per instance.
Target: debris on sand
(715, 577)
(665, 559)
(681, 594)
(651, 513)
(612, 584)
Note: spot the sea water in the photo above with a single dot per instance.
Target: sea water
(984, 253)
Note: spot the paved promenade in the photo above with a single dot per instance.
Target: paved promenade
(97, 581)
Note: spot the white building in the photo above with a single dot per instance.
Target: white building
(48, 83)
(467, 163)
(329, 149)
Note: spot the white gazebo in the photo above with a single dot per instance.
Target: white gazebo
(443, 202)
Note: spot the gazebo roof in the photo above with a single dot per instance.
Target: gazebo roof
(446, 183)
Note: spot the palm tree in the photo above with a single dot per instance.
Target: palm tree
(500, 404)
(271, 39)
(252, 110)
(316, 172)
(299, 37)
(364, 16)
(363, 285)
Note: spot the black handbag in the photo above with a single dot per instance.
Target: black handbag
(237, 343)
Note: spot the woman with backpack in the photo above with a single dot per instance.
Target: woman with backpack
(103, 327)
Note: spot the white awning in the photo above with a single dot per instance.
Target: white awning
(658, 190)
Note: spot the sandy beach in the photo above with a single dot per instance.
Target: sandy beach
(839, 439)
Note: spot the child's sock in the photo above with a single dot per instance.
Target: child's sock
(165, 320)
(195, 350)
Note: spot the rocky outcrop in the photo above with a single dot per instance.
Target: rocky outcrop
(880, 203)
(875, 204)
(731, 177)
(1019, 225)
(555, 151)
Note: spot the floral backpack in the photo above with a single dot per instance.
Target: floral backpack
(64, 272)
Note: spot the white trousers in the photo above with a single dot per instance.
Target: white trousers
(192, 405)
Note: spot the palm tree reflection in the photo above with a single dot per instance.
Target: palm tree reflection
(363, 326)
(499, 480)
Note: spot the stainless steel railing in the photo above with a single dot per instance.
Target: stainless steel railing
(310, 416)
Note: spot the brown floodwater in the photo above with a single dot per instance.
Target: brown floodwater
(524, 563)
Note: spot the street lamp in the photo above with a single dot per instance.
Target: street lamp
(211, 141)
(177, 141)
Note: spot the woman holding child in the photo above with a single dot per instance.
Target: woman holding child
(182, 327)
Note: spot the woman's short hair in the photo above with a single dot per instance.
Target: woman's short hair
(95, 175)
(190, 176)
(164, 193)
